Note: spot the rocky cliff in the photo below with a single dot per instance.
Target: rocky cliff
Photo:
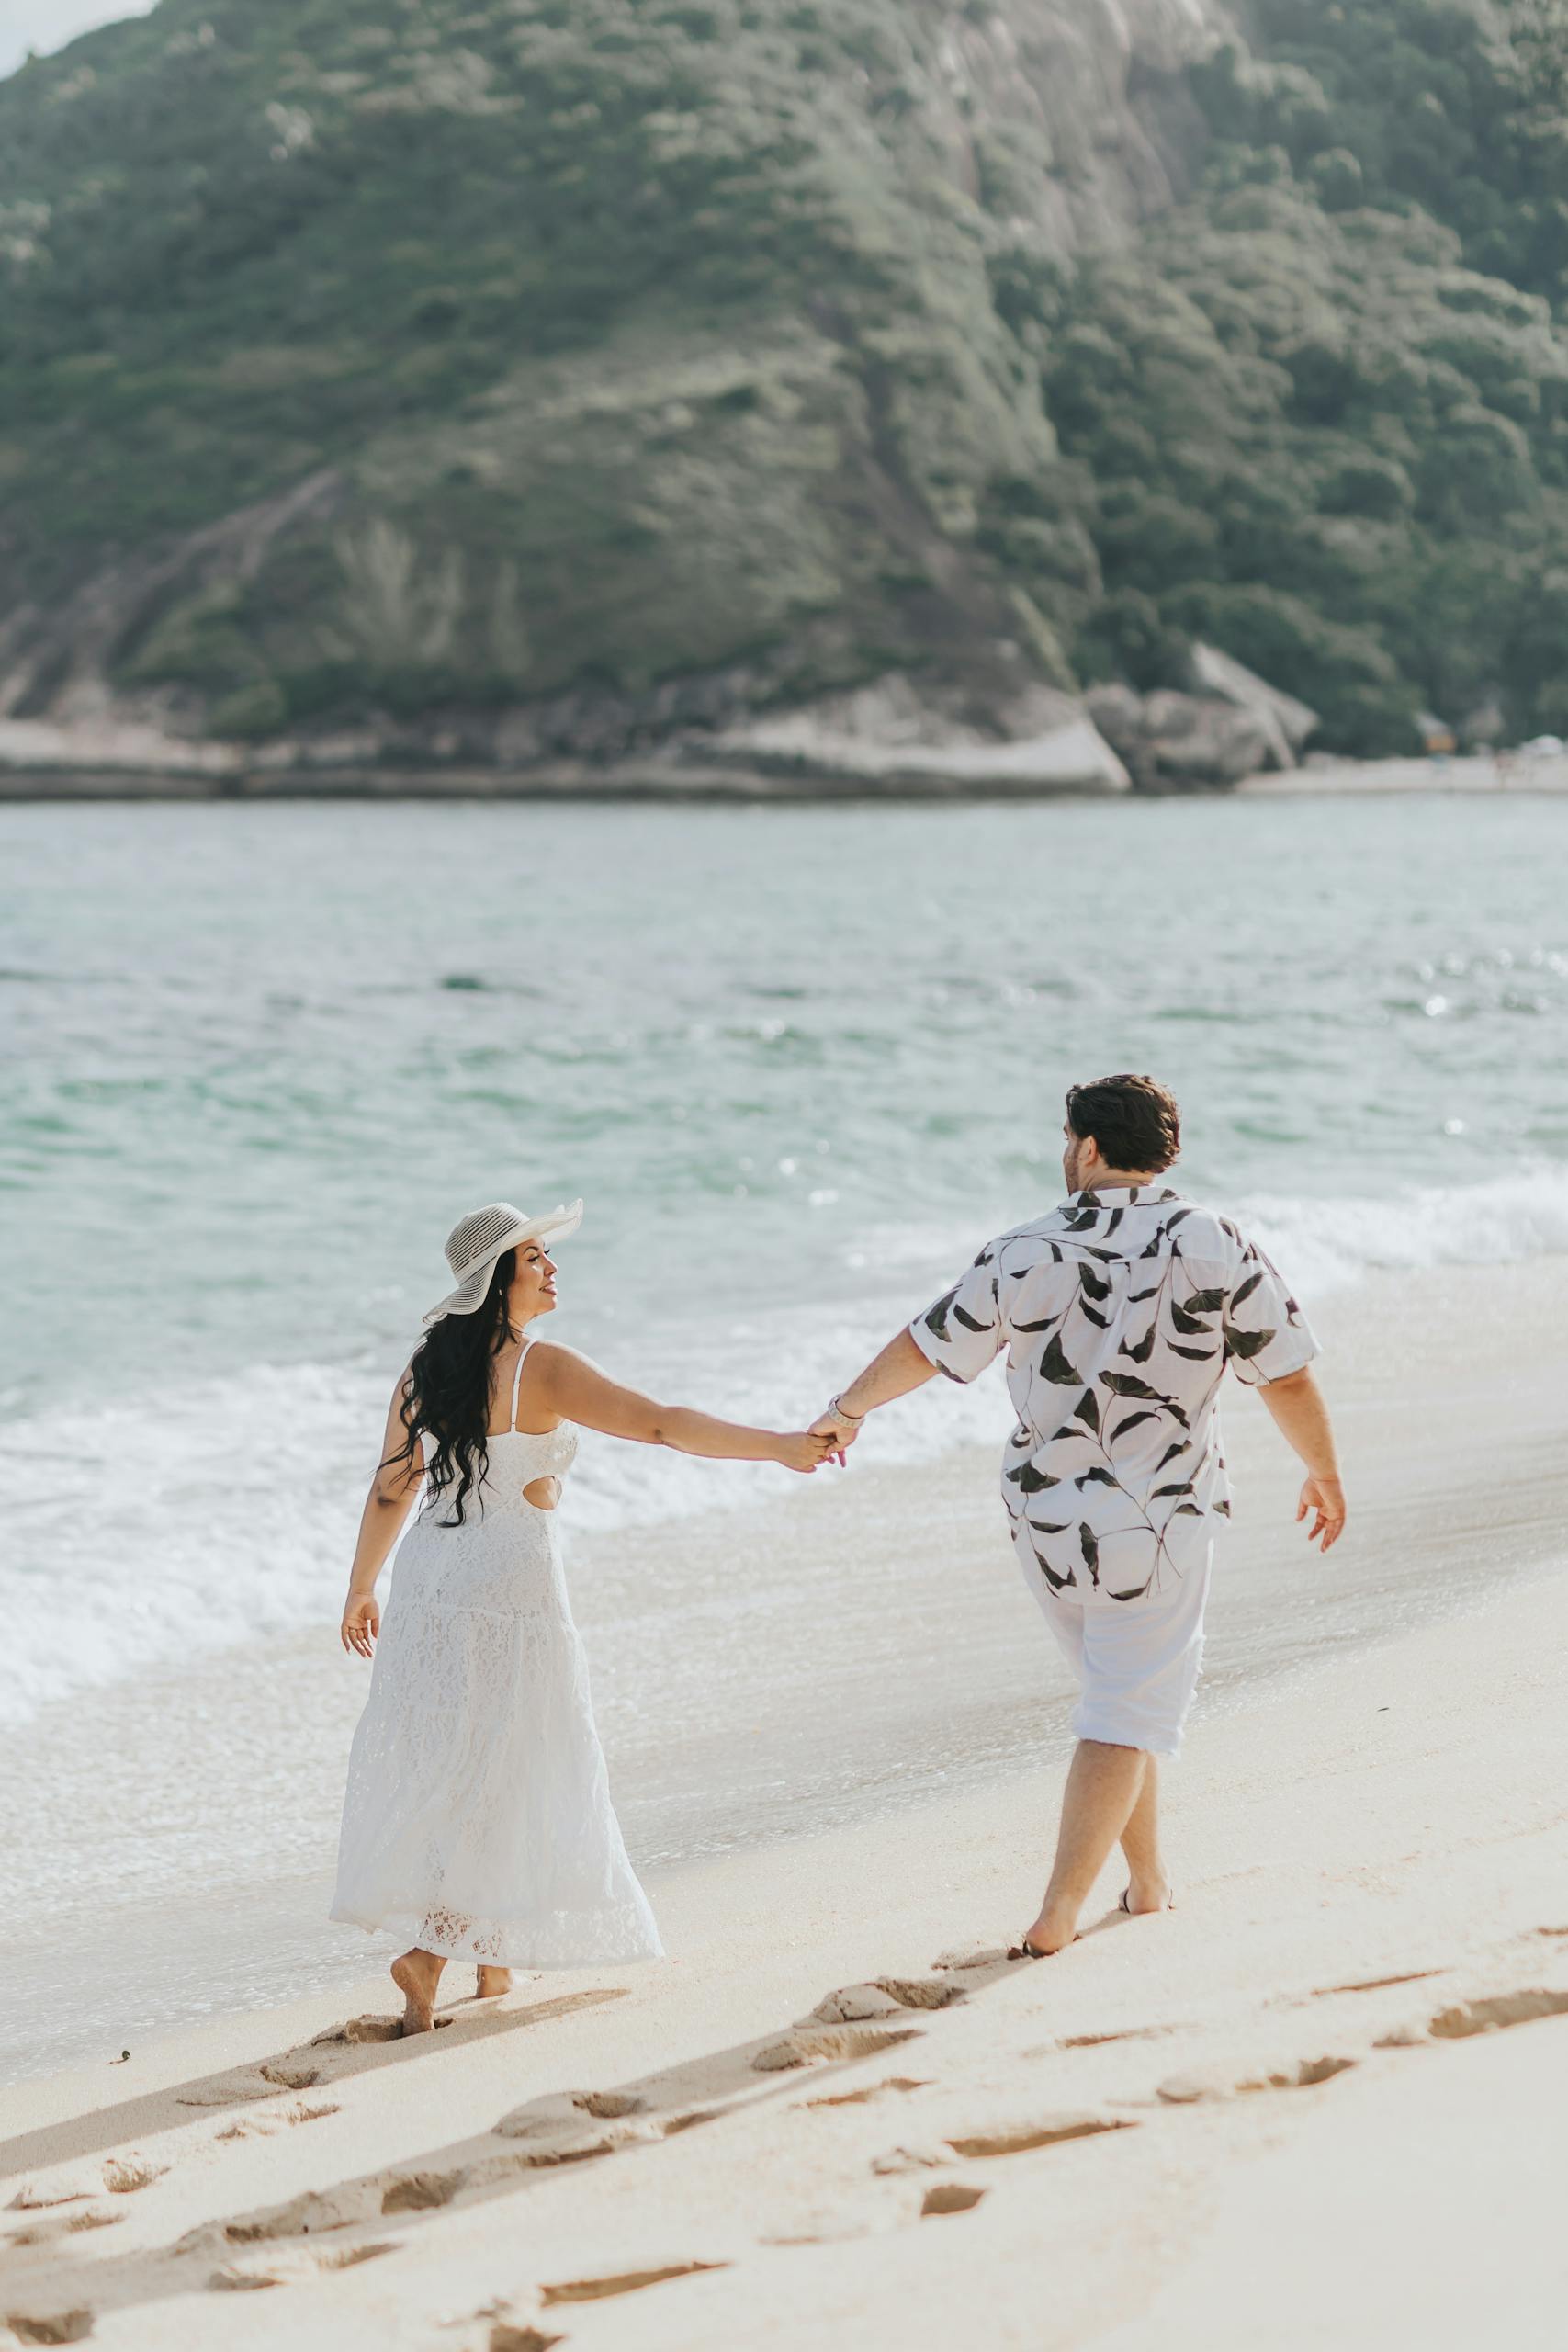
(526, 380)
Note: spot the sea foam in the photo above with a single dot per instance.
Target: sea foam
(223, 1511)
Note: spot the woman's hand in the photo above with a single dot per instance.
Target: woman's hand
(361, 1623)
(802, 1450)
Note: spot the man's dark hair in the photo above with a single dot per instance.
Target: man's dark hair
(1134, 1121)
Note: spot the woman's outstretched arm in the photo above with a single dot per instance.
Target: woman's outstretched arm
(387, 1507)
(567, 1383)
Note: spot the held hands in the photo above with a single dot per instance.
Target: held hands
(1326, 1497)
(838, 1429)
(361, 1623)
(802, 1450)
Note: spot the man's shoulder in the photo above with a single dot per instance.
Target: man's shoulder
(1191, 1231)
(1022, 1246)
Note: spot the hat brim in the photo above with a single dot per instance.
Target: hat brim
(469, 1294)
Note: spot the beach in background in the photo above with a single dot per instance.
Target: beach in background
(800, 1063)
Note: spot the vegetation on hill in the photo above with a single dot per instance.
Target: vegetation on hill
(447, 355)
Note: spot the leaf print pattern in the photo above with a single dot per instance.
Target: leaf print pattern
(1143, 1300)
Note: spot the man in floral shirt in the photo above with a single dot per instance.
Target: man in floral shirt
(1118, 1312)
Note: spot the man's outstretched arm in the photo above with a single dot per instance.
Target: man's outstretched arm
(901, 1366)
(1301, 1417)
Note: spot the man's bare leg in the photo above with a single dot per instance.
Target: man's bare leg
(1148, 1885)
(416, 1975)
(1103, 1785)
(492, 1983)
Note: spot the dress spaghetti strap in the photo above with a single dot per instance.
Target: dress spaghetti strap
(517, 1384)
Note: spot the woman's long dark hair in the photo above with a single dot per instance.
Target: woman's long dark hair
(447, 1393)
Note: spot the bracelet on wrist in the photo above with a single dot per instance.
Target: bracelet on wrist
(841, 1412)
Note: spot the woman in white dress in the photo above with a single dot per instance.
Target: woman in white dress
(478, 1819)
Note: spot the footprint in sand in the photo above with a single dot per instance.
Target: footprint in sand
(1098, 2041)
(51, 2327)
(869, 2091)
(922, 2156)
(621, 2282)
(949, 2197)
(293, 2266)
(1015, 2136)
(422, 2192)
(570, 2127)
(240, 2091)
(366, 2029)
(61, 2225)
(122, 2175)
(37, 2195)
(883, 1996)
(1376, 1983)
(822, 2046)
(259, 2127)
(1499, 2009)
(1215, 2083)
(300, 2217)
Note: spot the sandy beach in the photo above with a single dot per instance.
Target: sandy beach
(1270, 2117)
(1286, 2113)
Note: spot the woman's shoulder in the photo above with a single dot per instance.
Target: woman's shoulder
(547, 1356)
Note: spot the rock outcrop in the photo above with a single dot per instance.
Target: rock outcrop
(888, 736)
(1227, 725)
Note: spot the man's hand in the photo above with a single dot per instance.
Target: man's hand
(900, 1367)
(1326, 1497)
(839, 1430)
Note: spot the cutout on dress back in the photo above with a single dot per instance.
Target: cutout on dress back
(543, 1493)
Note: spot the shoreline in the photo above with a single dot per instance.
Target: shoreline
(576, 783)
(904, 1660)
(1230, 2126)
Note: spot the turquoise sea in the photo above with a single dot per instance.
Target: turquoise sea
(799, 1062)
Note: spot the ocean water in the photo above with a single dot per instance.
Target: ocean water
(799, 1061)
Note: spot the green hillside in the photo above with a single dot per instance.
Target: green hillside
(624, 361)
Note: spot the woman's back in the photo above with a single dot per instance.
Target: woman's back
(525, 1466)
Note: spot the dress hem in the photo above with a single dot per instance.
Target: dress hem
(518, 1954)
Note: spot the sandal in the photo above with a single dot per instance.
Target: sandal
(1122, 1905)
(1024, 1949)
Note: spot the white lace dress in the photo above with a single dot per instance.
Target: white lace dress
(478, 1820)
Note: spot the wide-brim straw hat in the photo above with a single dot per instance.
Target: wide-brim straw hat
(476, 1242)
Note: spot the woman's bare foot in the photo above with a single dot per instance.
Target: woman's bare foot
(416, 1976)
(492, 1983)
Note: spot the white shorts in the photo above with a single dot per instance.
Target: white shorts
(1137, 1661)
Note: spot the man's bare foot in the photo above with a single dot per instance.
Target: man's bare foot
(1148, 1892)
(1052, 1932)
(416, 1976)
(492, 1983)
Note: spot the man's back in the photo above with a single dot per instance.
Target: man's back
(1118, 1312)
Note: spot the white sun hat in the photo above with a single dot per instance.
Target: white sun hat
(476, 1241)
